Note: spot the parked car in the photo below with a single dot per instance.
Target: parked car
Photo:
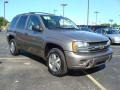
(117, 28)
(86, 29)
(112, 34)
(58, 41)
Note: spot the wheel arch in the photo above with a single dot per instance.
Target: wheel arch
(49, 46)
(10, 37)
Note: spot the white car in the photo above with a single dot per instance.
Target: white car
(112, 34)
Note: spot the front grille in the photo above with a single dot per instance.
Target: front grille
(98, 46)
(97, 43)
(101, 62)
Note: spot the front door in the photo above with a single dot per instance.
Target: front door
(34, 38)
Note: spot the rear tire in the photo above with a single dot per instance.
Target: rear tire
(56, 62)
(13, 48)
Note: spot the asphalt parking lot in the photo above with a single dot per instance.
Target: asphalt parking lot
(29, 72)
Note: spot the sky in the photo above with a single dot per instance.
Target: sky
(76, 10)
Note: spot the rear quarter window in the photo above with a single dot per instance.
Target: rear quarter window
(14, 21)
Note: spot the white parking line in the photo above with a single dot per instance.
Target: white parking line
(27, 63)
(14, 58)
(95, 81)
(115, 55)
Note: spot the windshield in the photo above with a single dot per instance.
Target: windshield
(112, 31)
(58, 22)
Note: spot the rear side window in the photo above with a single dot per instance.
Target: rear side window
(22, 22)
(14, 21)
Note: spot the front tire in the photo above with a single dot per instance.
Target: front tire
(56, 62)
(13, 48)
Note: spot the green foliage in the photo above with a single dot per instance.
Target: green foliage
(3, 22)
(105, 24)
(113, 25)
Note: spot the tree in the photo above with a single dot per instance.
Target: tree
(115, 25)
(105, 24)
(3, 22)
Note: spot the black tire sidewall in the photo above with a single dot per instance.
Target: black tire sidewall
(16, 52)
(63, 69)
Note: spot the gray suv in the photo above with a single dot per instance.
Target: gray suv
(58, 41)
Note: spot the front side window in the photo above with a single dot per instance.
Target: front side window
(58, 22)
(22, 22)
(33, 20)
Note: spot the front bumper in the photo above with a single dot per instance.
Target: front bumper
(86, 61)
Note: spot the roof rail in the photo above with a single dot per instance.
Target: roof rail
(39, 13)
(36, 13)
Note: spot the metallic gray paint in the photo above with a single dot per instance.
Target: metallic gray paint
(35, 42)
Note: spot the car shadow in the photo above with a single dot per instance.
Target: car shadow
(115, 44)
(77, 72)
(84, 72)
(0, 62)
(34, 57)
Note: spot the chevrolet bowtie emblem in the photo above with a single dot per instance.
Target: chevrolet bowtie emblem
(101, 47)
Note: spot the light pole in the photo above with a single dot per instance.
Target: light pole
(54, 11)
(96, 12)
(118, 15)
(63, 6)
(111, 20)
(88, 7)
(4, 11)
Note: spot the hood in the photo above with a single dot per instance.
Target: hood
(80, 35)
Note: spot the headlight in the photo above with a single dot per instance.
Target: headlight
(79, 46)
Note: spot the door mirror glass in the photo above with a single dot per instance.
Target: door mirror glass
(34, 24)
(37, 28)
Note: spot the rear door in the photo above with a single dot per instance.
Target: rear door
(20, 32)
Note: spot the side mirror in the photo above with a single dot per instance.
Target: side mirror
(37, 28)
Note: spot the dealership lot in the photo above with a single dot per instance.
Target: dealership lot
(28, 72)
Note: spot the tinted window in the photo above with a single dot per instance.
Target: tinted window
(22, 21)
(14, 21)
(104, 31)
(112, 32)
(33, 20)
(98, 31)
